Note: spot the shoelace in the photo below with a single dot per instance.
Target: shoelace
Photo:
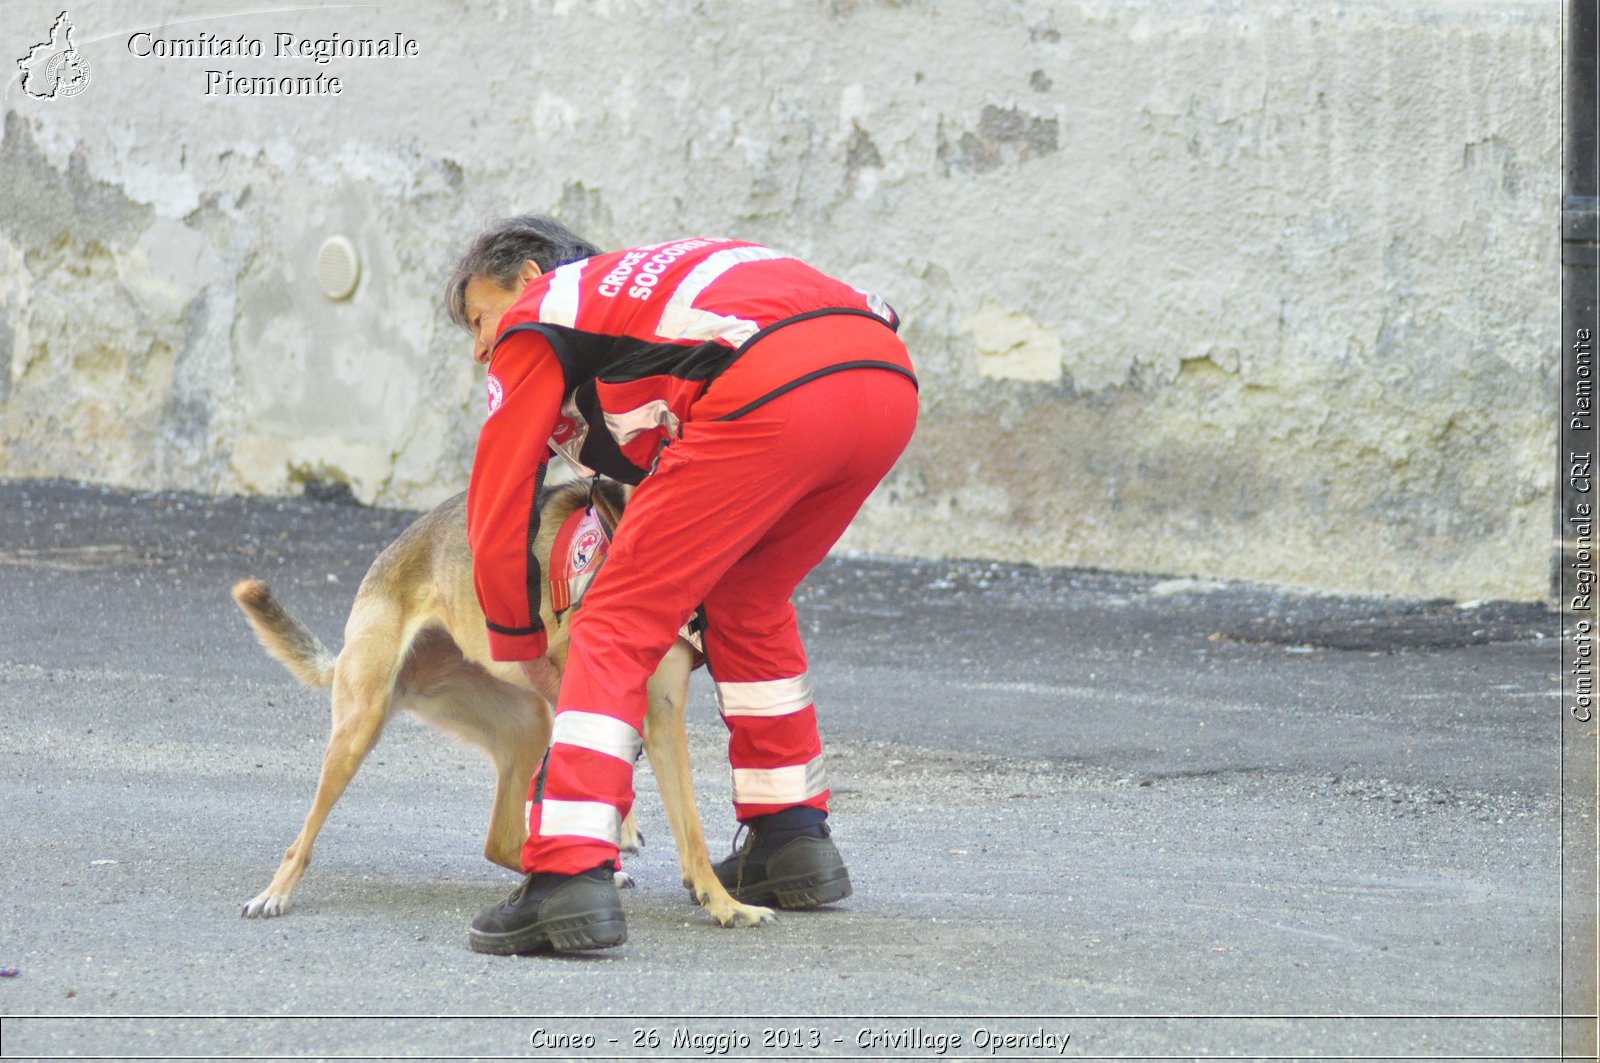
(518, 893)
(742, 850)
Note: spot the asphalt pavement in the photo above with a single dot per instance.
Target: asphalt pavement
(1087, 814)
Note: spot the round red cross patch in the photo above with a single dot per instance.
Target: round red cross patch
(584, 548)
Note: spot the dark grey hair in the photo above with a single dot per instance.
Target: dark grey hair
(501, 249)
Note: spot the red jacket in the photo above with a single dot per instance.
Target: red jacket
(602, 360)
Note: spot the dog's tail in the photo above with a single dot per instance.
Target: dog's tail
(285, 639)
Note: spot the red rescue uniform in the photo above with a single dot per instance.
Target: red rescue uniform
(756, 402)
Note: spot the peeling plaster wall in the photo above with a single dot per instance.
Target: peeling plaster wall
(1238, 288)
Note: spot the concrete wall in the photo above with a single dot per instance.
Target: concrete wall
(1249, 289)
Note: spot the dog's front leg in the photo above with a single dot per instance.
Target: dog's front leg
(668, 748)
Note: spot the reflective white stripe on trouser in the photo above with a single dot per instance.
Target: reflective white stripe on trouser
(603, 734)
(587, 819)
(779, 786)
(772, 697)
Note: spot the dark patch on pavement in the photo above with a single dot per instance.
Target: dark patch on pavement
(1430, 625)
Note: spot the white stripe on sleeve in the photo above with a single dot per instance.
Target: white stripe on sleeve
(560, 303)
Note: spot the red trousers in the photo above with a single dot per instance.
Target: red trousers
(735, 515)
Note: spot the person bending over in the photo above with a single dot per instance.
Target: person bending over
(755, 402)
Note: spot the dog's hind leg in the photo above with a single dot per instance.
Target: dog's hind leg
(516, 758)
(668, 748)
(510, 725)
(508, 816)
(362, 693)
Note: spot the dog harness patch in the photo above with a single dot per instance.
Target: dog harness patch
(580, 546)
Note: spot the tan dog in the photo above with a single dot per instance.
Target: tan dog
(415, 640)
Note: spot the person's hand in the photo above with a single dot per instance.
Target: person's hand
(544, 678)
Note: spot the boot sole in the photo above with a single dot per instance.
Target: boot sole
(798, 892)
(573, 933)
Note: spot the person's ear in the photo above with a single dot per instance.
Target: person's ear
(530, 269)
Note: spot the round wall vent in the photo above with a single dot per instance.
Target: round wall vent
(338, 268)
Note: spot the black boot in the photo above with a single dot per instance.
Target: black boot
(788, 859)
(561, 912)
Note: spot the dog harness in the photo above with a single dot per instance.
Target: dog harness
(580, 548)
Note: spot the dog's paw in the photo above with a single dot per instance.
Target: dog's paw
(729, 912)
(265, 905)
(623, 880)
(744, 915)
